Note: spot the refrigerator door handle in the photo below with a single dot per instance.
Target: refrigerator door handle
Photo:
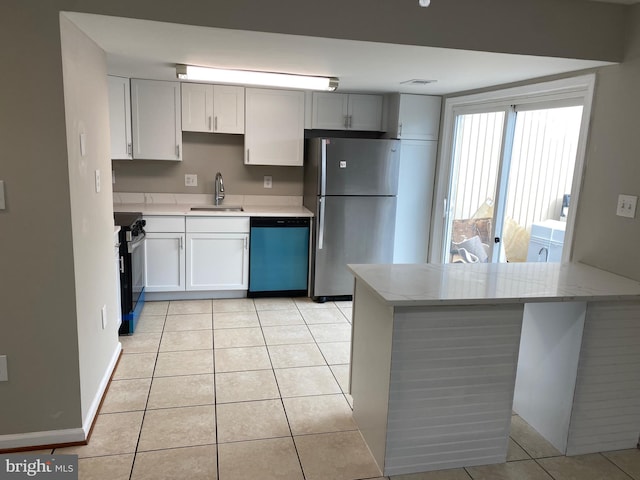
(320, 223)
(323, 168)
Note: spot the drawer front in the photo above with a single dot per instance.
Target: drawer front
(217, 224)
(162, 224)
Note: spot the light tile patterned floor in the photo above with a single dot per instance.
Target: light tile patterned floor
(255, 389)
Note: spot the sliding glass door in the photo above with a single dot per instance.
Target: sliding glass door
(511, 180)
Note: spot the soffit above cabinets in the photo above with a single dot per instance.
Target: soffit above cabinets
(149, 49)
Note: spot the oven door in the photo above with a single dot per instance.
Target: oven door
(137, 254)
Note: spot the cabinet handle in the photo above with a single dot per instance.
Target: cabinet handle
(129, 149)
(215, 123)
(121, 264)
(178, 151)
(246, 243)
(350, 120)
(210, 125)
(400, 129)
(181, 243)
(346, 121)
(248, 156)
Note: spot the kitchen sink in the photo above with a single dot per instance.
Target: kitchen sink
(217, 208)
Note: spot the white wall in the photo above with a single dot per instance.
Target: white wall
(87, 113)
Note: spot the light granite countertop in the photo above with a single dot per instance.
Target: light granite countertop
(185, 209)
(477, 284)
(180, 204)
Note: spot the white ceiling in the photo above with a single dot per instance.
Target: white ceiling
(147, 49)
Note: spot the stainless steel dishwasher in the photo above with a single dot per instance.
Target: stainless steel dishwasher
(279, 256)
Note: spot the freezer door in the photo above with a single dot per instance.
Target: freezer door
(350, 230)
(354, 166)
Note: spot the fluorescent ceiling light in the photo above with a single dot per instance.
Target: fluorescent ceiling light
(248, 77)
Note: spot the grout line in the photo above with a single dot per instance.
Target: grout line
(617, 466)
(286, 416)
(215, 392)
(542, 467)
(144, 412)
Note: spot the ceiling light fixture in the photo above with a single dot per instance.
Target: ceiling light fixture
(248, 77)
(424, 3)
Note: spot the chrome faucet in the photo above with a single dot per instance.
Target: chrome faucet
(219, 189)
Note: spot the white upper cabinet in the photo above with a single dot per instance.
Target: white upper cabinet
(274, 127)
(414, 117)
(197, 107)
(157, 131)
(228, 109)
(120, 118)
(212, 108)
(347, 111)
(365, 112)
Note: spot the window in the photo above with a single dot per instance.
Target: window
(510, 160)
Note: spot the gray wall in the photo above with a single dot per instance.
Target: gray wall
(38, 309)
(38, 326)
(205, 154)
(601, 238)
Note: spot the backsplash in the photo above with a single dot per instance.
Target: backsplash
(205, 199)
(204, 154)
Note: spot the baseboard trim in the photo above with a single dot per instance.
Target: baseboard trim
(70, 436)
(90, 418)
(36, 439)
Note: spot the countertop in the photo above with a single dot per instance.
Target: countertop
(185, 209)
(477, 284)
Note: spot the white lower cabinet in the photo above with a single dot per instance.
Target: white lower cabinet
(217, 253)
(165, 262)
(217, 261)
(165, 253)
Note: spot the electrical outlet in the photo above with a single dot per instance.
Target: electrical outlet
(4, 373)
(103, 315)
(190, 180)
(627, 206)
(98, 181)
(268, 181)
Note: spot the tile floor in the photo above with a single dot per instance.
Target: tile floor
(255, 389)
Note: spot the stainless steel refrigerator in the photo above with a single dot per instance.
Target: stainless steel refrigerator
(350, 185)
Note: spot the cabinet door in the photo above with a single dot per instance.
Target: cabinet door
(274, 127)
(217, 261)
(416, 182)
(418, 117)
(157, 133)
(228, 109)
(197, 107)
(165, 262)
(365, 112)
(120, 117)
(329, 111)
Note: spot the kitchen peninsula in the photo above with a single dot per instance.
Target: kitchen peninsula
(442, 354)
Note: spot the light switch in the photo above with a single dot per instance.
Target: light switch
(83, 144)
(4, 373)
(627, 206)
(2, 202)
(268, 181)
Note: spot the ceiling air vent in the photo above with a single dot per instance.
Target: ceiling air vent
(417, 82)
